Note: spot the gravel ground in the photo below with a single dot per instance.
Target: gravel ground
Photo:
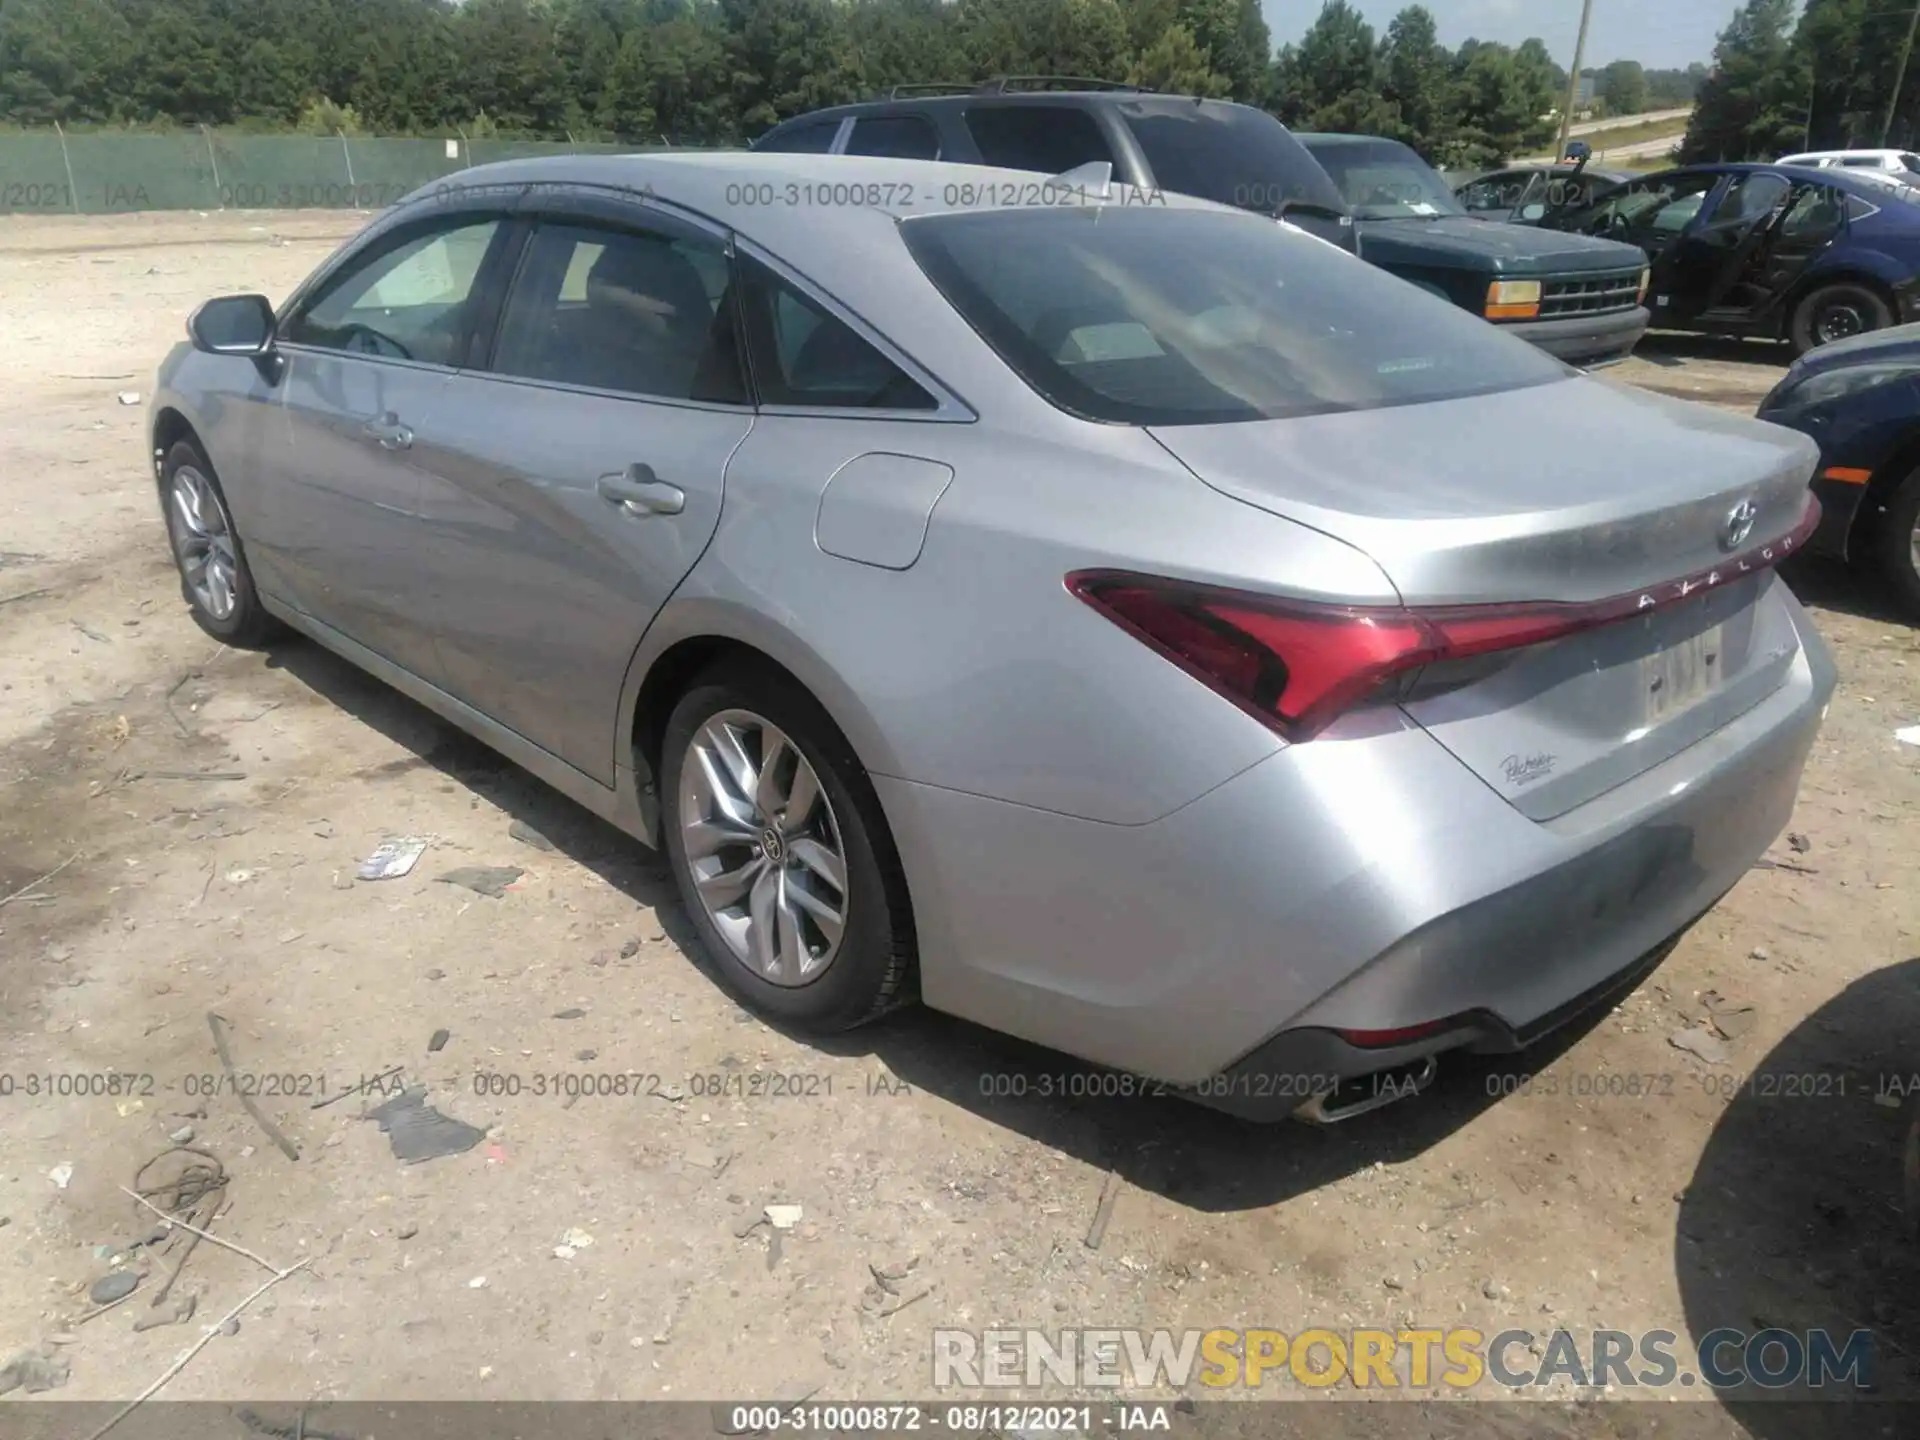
(205, 810)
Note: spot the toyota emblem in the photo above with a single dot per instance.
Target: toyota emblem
(1738, 525)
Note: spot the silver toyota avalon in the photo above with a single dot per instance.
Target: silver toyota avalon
(1118, 620)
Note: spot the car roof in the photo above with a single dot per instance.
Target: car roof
(1839, 179)
(1330, 137)
(1153, 99)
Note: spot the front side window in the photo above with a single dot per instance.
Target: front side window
(1189, 316)
(1384, 180)
(1495, 192)
(406, 302)
(803, 354)
(641, 312)
(904, 137)
(1662, 206)
(1050, 139)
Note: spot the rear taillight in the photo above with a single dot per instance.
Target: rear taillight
(1297, 666)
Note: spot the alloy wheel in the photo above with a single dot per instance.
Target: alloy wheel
(763, 847)
(203, 543)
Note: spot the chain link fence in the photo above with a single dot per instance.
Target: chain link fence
(54, 173)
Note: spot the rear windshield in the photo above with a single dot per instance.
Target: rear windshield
(1384, 180)
(1152, 316)
(1228, 154)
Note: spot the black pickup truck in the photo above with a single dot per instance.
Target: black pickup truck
(1582, 302)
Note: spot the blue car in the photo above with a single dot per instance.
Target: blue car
(1860, 400)
(1777, 252)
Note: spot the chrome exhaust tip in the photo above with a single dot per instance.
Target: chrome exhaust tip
(1366, 1093)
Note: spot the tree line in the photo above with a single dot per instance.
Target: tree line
(1823, 81)
(721, 71)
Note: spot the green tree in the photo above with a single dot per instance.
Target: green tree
(1416, 76)
(1331, 80)
(1754, 102)
(1503, 99)
(1176, 63)
(1623, 85)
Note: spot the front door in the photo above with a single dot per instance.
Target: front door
(368, 359)
(578, 467)
(1703, 265)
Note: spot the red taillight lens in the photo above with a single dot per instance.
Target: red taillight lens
(1298, 666)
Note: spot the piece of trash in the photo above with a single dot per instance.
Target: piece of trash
(417, 1131)
(571, 1013)
(438, 1041)
(287, 937)
(406, 1232)
(1759, 952)
(129, 1107)
(747, 1226)
(629, 949)
(1700, 1042)
(527, 835)
(576, 1239)
(232, 1326)
(488, 880)
(1798, 843)
(1103, 1210)
(1732, 1018)
(114, 1285)
(1886, 1100)
(181, 1313)
(783, 1217)
(182, 1136)
(128, 397)
(239, 876)
(392, 858)
(1908, 736)
(34, 1373)
(479, 1282)
(61, 1174)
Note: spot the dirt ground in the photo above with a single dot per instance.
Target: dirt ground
(205, 810)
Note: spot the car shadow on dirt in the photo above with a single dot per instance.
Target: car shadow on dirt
(1826, 583)
(1796, 1216)
(1158, 1141)
(1672, 349)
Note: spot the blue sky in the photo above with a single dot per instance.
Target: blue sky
(1658, 33)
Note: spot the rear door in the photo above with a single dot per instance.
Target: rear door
(580, 466)
(1807, 227)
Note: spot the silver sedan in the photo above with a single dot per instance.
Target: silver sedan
(1122, 621)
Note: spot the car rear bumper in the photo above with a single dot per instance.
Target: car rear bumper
(1586, 340)
(1364, 881)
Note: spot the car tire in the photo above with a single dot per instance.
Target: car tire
(756, 878)
(214, 578)
(1834, 312)
(1899, 543)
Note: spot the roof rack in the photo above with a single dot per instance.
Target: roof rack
(1002, 84)
(937, 87)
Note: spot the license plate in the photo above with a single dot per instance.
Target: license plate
(1682, 675)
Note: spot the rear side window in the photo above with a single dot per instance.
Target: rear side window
(803, 354)
(813, 138)
(905, 137)
(1227, 153)
(1051, 139)
(637, 311)
(1188, 317)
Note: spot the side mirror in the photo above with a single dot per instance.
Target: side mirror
(1533, 212)
(1313, 208)
(233, 325)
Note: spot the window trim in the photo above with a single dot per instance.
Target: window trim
(949, 407)
(503, 249)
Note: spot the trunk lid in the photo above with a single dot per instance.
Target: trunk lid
(1571, 492)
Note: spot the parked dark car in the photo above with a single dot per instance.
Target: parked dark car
(1776, 252)
(1523, 194)
(1860, 400)
(1213, 149)
(1581, 302)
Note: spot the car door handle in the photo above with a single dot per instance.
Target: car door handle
(638, 491)
(388, 432)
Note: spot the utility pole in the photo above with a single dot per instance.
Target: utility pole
(1900, 75)
(1573, 78)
